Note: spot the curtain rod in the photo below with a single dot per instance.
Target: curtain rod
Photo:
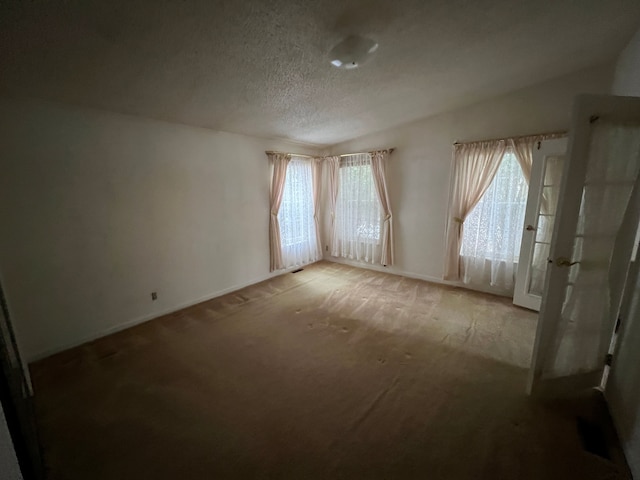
(292, 154)
(363, 153)
(559, 133)
(322, 156)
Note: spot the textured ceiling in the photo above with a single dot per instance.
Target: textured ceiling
(259, 67)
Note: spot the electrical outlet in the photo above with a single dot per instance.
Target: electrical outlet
(154, 295)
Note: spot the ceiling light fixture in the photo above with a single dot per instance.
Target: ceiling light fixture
(352, 52)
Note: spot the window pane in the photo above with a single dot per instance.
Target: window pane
(358, 204)
(493, 230)
(297, 227)
(358, 211)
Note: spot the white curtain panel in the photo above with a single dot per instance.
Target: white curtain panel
(316, 177)
(474, 166)
(493, 230)
(522, 148)
(358, 215)
(586, 322)
(333, 179)
(379, 167)
(296, 216)
(279, 163)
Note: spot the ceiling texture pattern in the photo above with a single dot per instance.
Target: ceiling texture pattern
(260, 67)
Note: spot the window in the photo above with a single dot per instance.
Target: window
(493, 230)
(297, 226)
(358, 210)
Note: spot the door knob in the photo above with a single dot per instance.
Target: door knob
(565, 262)
(530, 228)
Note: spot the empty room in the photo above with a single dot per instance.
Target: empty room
(317, 240)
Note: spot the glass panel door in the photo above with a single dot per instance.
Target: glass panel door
(542, 201)
(591, 246)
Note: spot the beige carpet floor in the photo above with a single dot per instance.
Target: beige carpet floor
(332, 372)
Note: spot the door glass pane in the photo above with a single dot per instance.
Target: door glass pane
(617, 155)
(553, 166)
(545, 228)
(538, 268)
(602, 207)
(550, 198)
(553, 170)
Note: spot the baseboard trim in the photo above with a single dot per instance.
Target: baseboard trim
(145, 318)
(417, 276)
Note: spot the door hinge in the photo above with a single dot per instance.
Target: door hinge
(608, 360)
(618, 323)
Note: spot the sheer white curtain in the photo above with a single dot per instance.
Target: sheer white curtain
(296, 215)
(474, 166)
(316, 178)
(358, 212)
(333, 182)
(523, 149)
(493, 230)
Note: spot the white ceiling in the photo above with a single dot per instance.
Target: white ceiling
(259, 67)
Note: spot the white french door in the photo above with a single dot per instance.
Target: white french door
(590, 252)
(539, 218)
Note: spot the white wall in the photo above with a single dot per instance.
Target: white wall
(627, 75)
(623, 388)
(9, 468)
(419, 170)
(98, 210)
